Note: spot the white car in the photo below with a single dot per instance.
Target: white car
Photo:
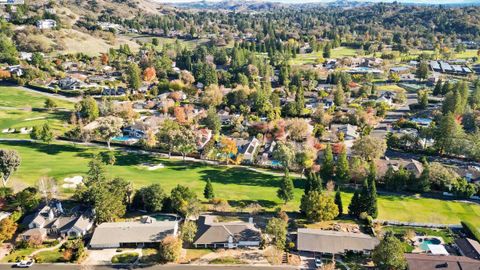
(318, 262)
(24, 264)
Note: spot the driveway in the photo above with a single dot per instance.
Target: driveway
(104, 256)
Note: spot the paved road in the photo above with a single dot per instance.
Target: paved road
(156, 267)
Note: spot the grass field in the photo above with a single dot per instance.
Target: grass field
(19, 108)
(233, 183)
(312, 58)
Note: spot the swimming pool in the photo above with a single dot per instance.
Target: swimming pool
(428, 241)
(165, 217)
(123, 138)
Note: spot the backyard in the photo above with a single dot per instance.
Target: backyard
(237, 184)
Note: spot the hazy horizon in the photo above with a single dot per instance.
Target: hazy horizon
(327, 1)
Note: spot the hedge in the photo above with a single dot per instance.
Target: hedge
(471, 229)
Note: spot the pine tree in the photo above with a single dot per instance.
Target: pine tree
(285, 192)
(313, 183)
(438, 88)
(327, 168)
(372, 208)
(339, 95)
(354, 206)
(208, 191)
(364, 198)
(338, 202)
(343, 169)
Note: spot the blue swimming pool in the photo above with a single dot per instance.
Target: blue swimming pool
(165, 217)
(122, 138)
(428, 241)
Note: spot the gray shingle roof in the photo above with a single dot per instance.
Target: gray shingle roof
(111, 234)
(210, 232)
(314, 240)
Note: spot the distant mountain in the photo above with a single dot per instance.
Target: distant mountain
(261, 4)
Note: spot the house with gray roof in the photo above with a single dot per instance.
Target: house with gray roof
(212, 234)
(51, 220)
(147, 232)
(334, 242)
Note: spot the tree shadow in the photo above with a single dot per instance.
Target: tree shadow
(240, 176)
(49, 149)
(262, 203)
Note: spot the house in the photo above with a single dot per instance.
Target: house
(51, 220)
(46, 24)
(433, 262)
(203, 136)
(334, 242)
(250, 150)
(68, 83)
(15, 70)
(349, 131)
(234, 234)
(146, 232)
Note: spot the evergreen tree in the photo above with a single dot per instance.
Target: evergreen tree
(339, 95)
(474, 99)
(208, 191)
(343, 169)
(338, 201)
(372, 208)
(438, 88)
(364, 197)
(354, 206)
(327, 168)
(285, 192)
(313, 183)
(133, 76)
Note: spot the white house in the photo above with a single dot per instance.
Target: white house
(46, 24)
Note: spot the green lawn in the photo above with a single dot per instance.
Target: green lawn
(18, 255)
(49, 256)
(129, 257)
(233, 183)
(19, 108)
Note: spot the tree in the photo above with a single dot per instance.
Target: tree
(188, 231)
(212, 121)
(228, 147)
(354, 208)
(446, 133)
(372, 207)
(338, 201)
(313, 183)
(8, 50)
(212, 96)
(170, 249)
(422, 71)
(149, 74)
(339, 95)
(284, 154)
(342, 173)
(208, 190)
(149, 198)
(369, 148)
(184, 201)
(388, 255)
(277, 228)
(46, 134)
(185, 141)
(9, 163)
(87, 109)
(8, 227)
(318, 207)
(108, 128)
(437, 90)
(133, 76)
(328, 164)
(285, 191)
(422, 97)
(167, 135)
(50, 104)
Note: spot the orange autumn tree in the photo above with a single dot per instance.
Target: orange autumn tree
(228, 147)
(104, 58)
(5, 74)
(149, 74)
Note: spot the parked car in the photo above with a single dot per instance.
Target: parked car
(318, 262)
(24, 264)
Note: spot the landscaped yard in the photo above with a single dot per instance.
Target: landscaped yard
(49, 256)
(312, 58)
(19, 108)
(232, 183)
(129, 257)
(18, 254)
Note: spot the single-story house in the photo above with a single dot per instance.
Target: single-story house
(250, 150)
(234, 234)
(433, 262)
(46, 24)
(147, 232)
(349, 131)
(334, 242)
